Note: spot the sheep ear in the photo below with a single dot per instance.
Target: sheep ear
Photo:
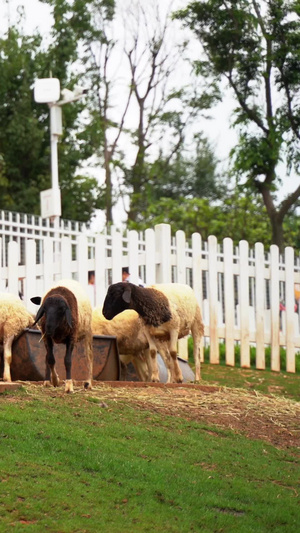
(69, 317)
(36, 300)
(40, 313)
(127, 295)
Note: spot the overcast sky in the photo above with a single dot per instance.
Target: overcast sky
(217, 129)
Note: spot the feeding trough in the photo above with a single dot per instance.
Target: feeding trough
(29, 353)
(129, 373)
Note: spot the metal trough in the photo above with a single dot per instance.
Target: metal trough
(129, 373)
(28, 359)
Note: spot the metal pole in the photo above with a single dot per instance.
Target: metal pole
(54, 157)
(55, 132)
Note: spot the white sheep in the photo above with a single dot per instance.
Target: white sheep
(14, 319)
(128, 328)
(169, 311)
(65, 317)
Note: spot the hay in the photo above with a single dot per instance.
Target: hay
(262, 416)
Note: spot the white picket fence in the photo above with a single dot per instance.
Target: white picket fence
(239, 290)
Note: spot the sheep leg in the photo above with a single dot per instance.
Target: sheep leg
(149, 364)
(89, 352)
(50, 362)
(164, 352)
(178, 378)
(141, 367)
(197, 331)
(152, 360)
(68, 366)
(7, 358)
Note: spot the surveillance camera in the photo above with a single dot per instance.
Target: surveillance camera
(67, 94)
(78, 91)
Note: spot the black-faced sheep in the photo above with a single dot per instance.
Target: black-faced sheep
(14, 318)
(128, 328)
(65, 317)
(169, 311)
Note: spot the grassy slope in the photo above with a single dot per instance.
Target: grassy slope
(265, 381)
(69, 465)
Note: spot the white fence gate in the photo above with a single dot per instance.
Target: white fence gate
(239, 290)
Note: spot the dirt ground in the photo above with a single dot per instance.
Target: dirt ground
(270, 418)
(266, 417)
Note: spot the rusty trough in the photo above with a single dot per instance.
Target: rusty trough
(28, 361)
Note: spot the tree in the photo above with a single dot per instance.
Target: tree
(166, 109)
(238, 217)
(254, 46)
(190, 174)
(21, 138)
(24, 130)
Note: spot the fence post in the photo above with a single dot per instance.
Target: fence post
(82, 260)
(181, 278)
(150, 257)
(100, 264)
(2, 283)
(30, 288)
(163, 251)
(197, 276)
(213, 299)
(66, 257)
(260, 305)
(13, 263)
(133, 252)
(117, 254)
(180, 256)
(48, 252)
(244, 304)
(274, 274)
(289, 305)
(229, 301)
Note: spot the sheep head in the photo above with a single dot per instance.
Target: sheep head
(151, 304)
(117, 300)
(57, 314)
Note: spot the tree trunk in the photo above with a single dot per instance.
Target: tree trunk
(108, 190)
(277, 231)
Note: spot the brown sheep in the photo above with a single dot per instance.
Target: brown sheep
(65, 317)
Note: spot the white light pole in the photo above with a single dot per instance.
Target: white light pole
(47, 91)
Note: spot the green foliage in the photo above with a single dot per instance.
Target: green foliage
(24, 126)
(236, 216)
(253, 46)
(70, 465)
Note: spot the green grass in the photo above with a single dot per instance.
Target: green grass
(281, 383)
(69, 465)
(222, 348)
(265, 381)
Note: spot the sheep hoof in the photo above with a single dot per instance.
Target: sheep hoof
(55, 381)
(155, 380)
(87, 385)
(69, 386)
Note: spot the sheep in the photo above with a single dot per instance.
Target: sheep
(169, 311)
(133, 346)
(14, 319)
(65, 317)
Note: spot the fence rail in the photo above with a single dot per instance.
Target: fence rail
(240, 290)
